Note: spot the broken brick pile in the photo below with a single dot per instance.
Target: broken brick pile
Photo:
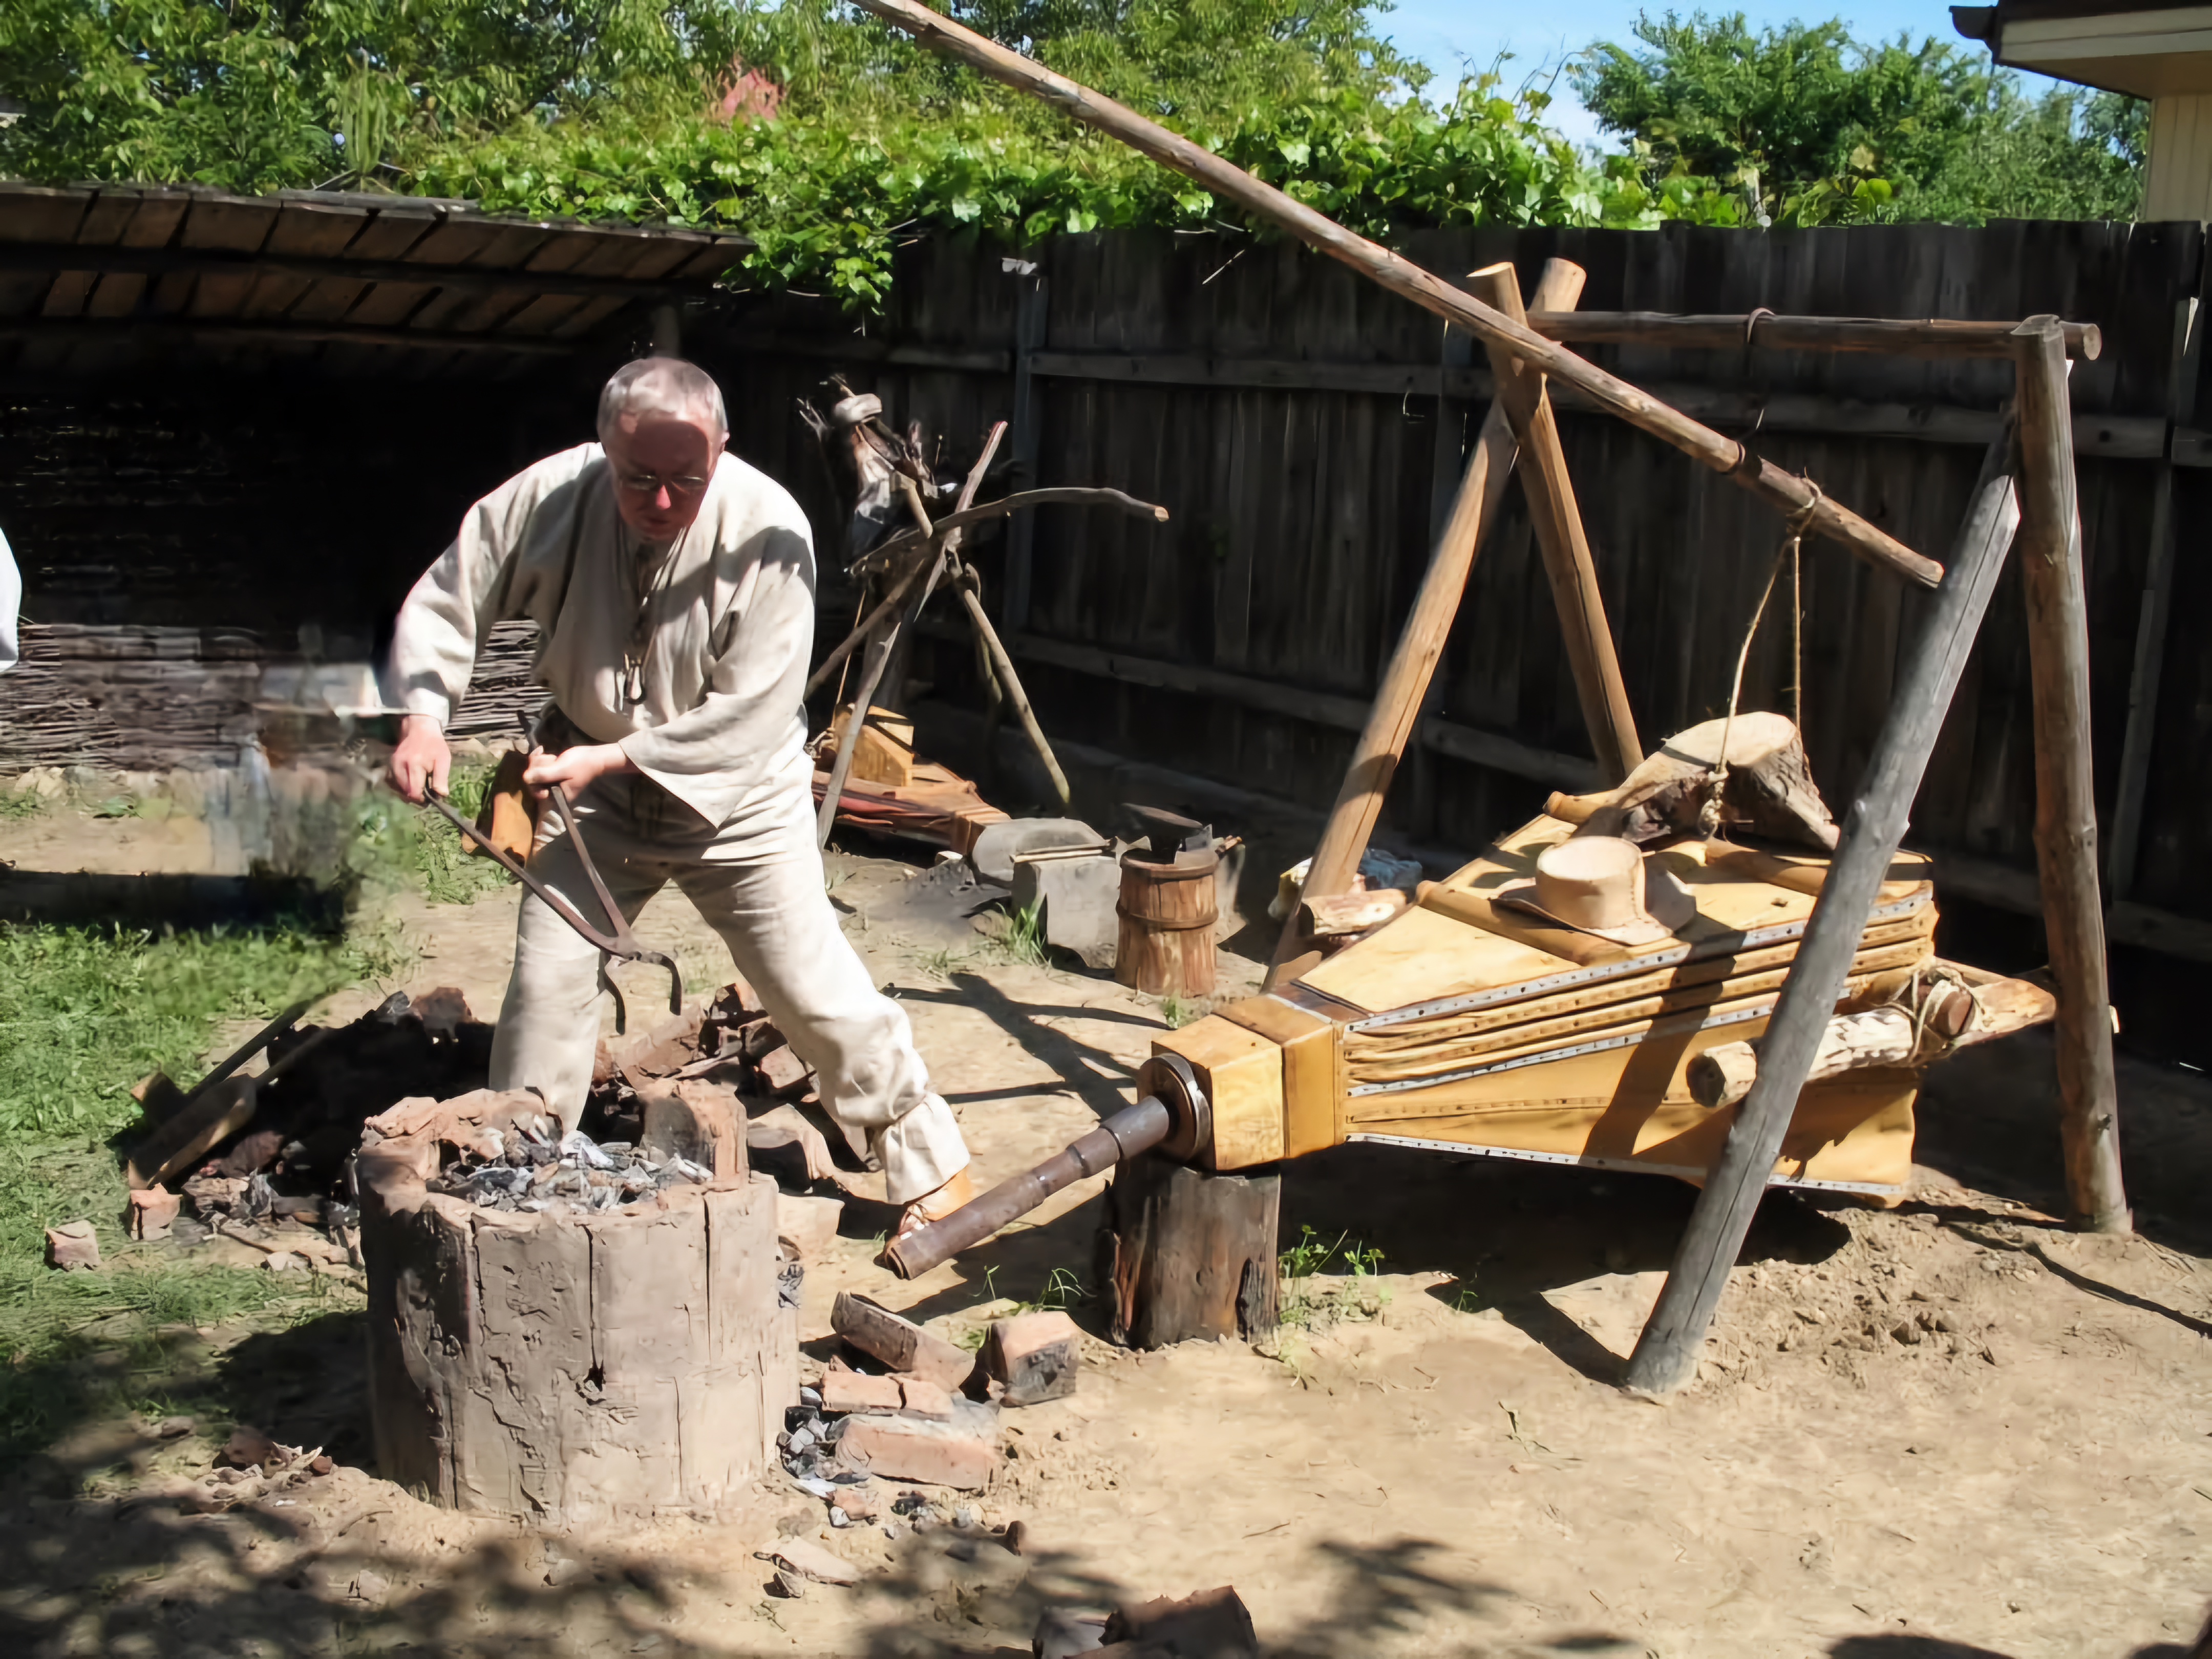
(274, 1151)
(928, 1414)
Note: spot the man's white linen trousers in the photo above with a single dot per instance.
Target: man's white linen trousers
(757, 881)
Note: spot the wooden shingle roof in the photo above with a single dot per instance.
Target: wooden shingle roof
(92, 277)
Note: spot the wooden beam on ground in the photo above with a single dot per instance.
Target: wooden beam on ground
(2065, 798)
(1564, 543)
(1404, 683)
(1896, 337)
(1784, 491)
(1665, 1356)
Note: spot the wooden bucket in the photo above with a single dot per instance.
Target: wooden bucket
(1167, 913)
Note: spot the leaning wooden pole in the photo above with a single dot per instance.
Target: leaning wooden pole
(1784, 491)
(1405, 684)
(1564, 542)
(2065, 798)
(1665, 1354)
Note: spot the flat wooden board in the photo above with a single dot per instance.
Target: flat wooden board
(1455, 942)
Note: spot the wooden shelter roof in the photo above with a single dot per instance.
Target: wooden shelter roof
(96, 277)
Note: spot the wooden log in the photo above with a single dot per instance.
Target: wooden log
(1893, 337)
(1191, 1256)
(2065, 792)
(1167, 914)
(1770, 789)
(1405, 684)
(210, 1119)
(1723, 1074)
(573, 1370)
(1667, 1352)
(1784, 491)
(1350, 914)
(1568, 566)
(883, 750)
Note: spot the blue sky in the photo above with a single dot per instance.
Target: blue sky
(1444, 33)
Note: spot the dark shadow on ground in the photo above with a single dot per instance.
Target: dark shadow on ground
(1908, 1647)
(332, 1570)
(84, 899)
(1990, 1117)
(1090, 1073)
(1507, 1231)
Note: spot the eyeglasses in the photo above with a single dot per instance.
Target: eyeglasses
(651, 483)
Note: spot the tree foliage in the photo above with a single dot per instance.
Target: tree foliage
(1811, 125)
(828, 137)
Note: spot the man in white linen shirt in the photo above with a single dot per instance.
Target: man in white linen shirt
(673, 590)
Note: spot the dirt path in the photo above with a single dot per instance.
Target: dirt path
(1953, 1429)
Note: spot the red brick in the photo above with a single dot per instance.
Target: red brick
(906, 1448)
(849, 1391)
(920, 1397)
(783, 1073)
(1037, 1355)
(152, 1212)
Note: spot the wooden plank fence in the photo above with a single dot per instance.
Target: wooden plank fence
(1305, 429)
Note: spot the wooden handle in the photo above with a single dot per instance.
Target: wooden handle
(1786, 493)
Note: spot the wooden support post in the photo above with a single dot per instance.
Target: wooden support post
(2065, 798)
(1665, 1354)
(1447, 461)
(1559, 533)
(1190, 1256)
(1405, 684)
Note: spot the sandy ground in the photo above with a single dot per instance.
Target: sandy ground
(1950, 1429)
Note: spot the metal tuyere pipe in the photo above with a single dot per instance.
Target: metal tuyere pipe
(1174, 1115)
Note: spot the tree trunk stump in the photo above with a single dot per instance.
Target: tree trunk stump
(563, 1369)
(1189, 1255)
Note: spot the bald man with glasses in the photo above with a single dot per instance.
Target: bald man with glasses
(672, 587)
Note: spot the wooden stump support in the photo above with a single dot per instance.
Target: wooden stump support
(1187, 1255)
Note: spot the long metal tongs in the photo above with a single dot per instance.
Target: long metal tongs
(619, 943)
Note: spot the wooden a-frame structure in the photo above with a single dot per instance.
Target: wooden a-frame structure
(2027, 492)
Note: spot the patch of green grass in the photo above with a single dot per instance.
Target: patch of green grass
(394, 843)
(1178, 1012)
(24, 803)
(1021, 941)
(1309, 1256)
(86, 1012)
(1315, 1306)
(83, 1346)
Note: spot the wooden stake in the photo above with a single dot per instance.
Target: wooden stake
(1787, 494)
(1011, 684)
(1666, 1355)
(1405, 684)
(1559, 534)
(2065, 798)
